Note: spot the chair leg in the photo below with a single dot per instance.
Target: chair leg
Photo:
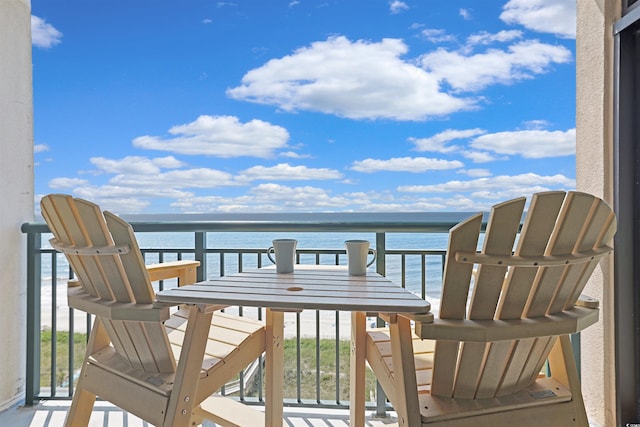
(564, 370)
(182, 400)
(83, 400)
(357, 368)
(405, 373)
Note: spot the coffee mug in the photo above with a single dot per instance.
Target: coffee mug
(357, 254)
(284, 251)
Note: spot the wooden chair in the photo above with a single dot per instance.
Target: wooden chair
(159, 366)
(503, 314)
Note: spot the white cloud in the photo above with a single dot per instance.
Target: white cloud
(176, 179)
(44, 35)
(438, 142)
(477, 173)
(536, 124)
(370, 80)
(479, 156)
(466, 14)
(405, 164)
(65, 183)
(267, 198)
(527, 183)
(137, 180)
(221, 136)
(357, 80)
(437, 36)
(109, 191)
(123, 200)
(530, 144)
(397, 6)
(286, 172)
(294, 155)
(486, 38)
(477, 71)
(277, 197)
(136, 165)
(39, 148)
(125, 205)
(546, 16)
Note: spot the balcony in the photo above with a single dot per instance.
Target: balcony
(410, 251)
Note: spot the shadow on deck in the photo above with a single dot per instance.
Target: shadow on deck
(52, 414)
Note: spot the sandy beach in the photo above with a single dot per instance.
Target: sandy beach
(310, 320)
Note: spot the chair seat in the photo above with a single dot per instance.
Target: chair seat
(232, 344)
(232, 341)
(379, 353)
(433, 408)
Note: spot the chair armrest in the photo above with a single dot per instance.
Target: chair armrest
(568, 322)
(184, 271)
(587, 301)
(416, 317)
(79, 299)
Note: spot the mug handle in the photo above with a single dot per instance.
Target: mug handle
(269, 251)
(375, 255)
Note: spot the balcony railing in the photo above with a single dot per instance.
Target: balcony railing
(225, 247)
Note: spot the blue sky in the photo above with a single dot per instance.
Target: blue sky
(155, 106)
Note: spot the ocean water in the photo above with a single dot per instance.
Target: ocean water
(412, 265)
(421, 276)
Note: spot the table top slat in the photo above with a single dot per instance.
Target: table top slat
(309, 287)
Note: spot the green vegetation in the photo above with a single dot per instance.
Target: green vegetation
(62, 356)
(308, 363)
(326, 379)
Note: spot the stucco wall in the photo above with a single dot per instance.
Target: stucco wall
(16, 190)
(594, 143)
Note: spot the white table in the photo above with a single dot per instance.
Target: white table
(308, 287)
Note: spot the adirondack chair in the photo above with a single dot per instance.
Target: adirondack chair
(159, 363)
(503, 314)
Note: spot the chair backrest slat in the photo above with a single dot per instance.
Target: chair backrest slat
(132, 261)
(463, 237)
(62, 219)
(470, 368)
(500, 235)
(536, 230)
(512, 372)
(110, 266)
(569, 226)
(445, 362)
(601, 231)
(498, 356)
(120, 277)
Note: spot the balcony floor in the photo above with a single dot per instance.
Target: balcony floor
(52, 414)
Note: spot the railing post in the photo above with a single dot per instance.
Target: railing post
(575, 344)
(201, 254)
(34, 283)
(381, 254)
(381, 248)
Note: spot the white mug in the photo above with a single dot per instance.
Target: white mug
(285, 254)
(357, 254)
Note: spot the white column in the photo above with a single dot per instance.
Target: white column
(16, 191)
(594, 173)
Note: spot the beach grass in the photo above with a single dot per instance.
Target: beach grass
(316, 366)
(61, 356)
(313, 386)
